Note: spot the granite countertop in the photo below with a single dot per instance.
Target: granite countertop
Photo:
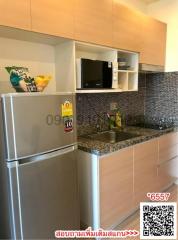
(100, 148)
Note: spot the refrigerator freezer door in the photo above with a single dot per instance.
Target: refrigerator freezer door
(47, 195)
(34, 124)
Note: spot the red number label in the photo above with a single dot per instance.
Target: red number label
(158, 197)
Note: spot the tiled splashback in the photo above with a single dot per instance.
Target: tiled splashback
(155, 101)
(92, 108)
(161, 99)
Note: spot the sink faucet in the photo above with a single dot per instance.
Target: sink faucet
(100, 122)
(98, 128)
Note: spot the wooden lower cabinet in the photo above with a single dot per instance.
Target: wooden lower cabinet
(168, 160)
(145, 170)
(168, 153)
(113, 185)
(105, 188)
(116, 186)
(168, 147)
(167, 173)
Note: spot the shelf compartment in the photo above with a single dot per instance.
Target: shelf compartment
(123, 80)
(133, 81)
(131, 60)
(95, 52)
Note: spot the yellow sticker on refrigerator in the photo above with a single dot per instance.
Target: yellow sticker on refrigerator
(67, 109)
(67, 115)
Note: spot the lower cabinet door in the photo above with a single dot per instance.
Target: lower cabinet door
(116, 186)
(168, 147)
(145, 170)
(167, 173)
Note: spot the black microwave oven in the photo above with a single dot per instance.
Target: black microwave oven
(94, 74)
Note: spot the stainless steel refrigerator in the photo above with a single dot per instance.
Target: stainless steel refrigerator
(38, 168)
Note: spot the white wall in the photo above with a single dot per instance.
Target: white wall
(137, 4)
(167, 11)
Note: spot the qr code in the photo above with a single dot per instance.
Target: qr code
(158, 220)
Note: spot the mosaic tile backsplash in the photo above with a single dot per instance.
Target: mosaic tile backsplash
(156, 101)
(161, 97)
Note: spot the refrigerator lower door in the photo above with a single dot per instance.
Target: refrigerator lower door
(44, 195)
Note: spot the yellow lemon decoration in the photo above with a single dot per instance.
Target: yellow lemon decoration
(42, 81)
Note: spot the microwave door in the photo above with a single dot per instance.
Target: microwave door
(96, 74)
(91, 74)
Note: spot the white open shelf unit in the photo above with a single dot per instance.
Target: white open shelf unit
(127, 79)
(44, 54)
(95, 52)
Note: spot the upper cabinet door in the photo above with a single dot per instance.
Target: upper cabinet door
(15, 13)
(93, 21)
(153, 46)
(55, 17)
(135, 31)
(126, 27)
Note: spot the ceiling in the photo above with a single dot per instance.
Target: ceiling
(150, 1)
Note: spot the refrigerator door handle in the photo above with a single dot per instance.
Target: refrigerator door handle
(47, 155)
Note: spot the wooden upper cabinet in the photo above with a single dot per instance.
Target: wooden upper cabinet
(135, 31)
(153, 47)
(126, 27)
(15, 13)
(55, 17)
(93, 21)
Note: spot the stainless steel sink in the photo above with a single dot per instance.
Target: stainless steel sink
(113, 136)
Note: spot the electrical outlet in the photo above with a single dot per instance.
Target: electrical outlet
(113, 106)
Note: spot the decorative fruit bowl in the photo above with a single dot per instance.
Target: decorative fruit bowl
(22, 82)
